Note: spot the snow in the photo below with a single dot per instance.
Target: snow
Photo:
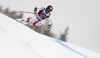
(19, 41)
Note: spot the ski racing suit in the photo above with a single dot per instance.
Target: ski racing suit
(38, 19)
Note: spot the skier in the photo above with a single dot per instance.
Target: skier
(38, 18)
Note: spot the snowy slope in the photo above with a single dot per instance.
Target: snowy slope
(18, 41)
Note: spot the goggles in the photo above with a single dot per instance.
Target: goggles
(48, 10)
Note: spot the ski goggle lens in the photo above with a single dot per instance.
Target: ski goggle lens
(49, 10)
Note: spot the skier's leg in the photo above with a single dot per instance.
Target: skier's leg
(20, 20)
(28, 19)
(39, 23)
(24, 21)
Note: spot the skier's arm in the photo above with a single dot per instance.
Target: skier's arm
(37, 9)
(50, 21)
(49, 25)
(40, 8)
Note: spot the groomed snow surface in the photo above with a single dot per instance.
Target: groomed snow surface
(19, 41)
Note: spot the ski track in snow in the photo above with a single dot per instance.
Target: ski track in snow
(33, 51)
(22, 42)
(61, 42)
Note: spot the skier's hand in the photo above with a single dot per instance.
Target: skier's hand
(35, 10)
(48, 28)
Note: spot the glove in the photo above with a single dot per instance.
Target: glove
(47, 28)
(35, 10)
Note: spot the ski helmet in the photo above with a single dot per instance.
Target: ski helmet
(49, 8)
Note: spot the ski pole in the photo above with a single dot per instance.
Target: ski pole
(18, 12)
(28, 12)
(13, 12)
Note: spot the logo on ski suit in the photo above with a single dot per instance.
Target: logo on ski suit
(42, 15)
